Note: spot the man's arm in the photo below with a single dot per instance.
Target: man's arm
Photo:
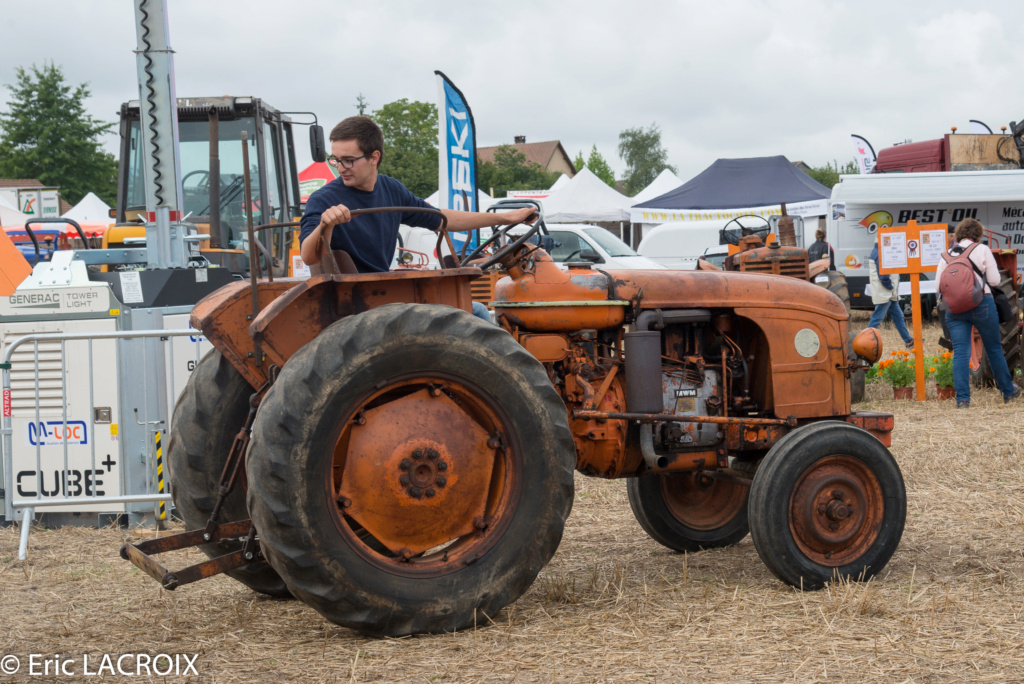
(471, 220)
(332, 216)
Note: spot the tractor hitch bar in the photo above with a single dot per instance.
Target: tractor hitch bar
(141, 554)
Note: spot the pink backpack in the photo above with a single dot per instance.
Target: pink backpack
(961, 285)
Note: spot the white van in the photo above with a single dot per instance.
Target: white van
(679, 244)
(860, 204)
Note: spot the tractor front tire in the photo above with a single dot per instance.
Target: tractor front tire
(411, 471)
(689, 511)
(208, 415)
(828, 502)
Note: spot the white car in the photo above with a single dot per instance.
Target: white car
(575, 242)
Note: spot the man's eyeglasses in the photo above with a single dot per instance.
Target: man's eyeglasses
(344, 162)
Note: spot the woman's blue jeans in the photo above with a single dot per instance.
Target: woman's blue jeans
(894, 311)
(985, 318)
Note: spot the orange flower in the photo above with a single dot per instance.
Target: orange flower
(932, 369)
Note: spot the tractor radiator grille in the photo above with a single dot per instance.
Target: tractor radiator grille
(795, 268)
(482, 289)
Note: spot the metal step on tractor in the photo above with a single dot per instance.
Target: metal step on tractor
(366, 445)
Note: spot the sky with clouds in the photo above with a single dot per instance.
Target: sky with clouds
(729, 78)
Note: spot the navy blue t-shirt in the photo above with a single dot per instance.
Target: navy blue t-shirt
(371, 239)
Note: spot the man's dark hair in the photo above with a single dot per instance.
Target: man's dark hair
(969, 228)
(364, 131)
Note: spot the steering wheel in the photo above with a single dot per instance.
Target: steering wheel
(504, 253)
(206, 176)
(744, 230)
(496, 237)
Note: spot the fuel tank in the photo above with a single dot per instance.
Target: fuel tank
(552, 297)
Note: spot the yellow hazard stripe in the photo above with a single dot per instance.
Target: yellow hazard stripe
(160, 475)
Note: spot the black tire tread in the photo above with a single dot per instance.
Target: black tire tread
(645, 500)
(771, 543)
(207, 416)
(282, 423)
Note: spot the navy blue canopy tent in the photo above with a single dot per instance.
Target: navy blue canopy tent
(736, 183)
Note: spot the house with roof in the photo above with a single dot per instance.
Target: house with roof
(550, 155)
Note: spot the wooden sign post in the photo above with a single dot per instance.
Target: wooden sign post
(914, 250)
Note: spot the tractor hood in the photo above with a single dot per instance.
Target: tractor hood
(550, 297)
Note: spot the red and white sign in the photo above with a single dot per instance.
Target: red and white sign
(7, 403)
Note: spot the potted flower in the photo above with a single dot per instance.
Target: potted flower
(898, 370)
(940, 367)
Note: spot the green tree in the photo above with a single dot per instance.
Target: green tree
(46, 134)
(410, 144)
(644, 156)
(600, 168)
(511, 171)
(828, 175)
(579, 162)
(361, 104)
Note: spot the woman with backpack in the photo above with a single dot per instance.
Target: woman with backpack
(966, 292)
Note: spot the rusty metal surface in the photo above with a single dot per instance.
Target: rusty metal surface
(702, 502)
(547, 298)
(748, 437)
(600, 440)
(141, 554)
(836, 510)
(295, 318)
(425, 476)
(224, 317)
(417, 472)
(545, 348)
(673, 417)
(878, 424)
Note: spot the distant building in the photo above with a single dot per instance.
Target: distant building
(549, 155)
(9, 188)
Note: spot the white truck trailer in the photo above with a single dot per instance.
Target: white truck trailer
(860, 204)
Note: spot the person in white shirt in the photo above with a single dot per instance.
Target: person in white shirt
(983, 317)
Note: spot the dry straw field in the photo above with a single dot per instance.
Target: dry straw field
(613, 606)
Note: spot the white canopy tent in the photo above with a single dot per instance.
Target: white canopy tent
(12, 218)
(90, 210)
(586, 199)
(665, 182)
(560, 183)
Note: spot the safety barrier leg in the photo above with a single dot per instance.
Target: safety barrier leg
(26, 523)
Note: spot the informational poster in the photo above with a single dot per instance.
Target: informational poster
(933, 244)
(893, 252)
(131, 287)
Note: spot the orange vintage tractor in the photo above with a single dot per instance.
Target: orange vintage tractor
(365, 444)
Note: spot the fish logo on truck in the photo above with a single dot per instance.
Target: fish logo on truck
(876, 220)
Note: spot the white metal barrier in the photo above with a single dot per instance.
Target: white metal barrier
(145, 391)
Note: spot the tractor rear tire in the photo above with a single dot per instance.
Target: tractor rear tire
(828, 502)
(411, 471)
(689, 511)
(836, 284)
(208, 415)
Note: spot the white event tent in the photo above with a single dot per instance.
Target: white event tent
(586, 199)
(90, 210)
(560, 183)
(665, 182)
